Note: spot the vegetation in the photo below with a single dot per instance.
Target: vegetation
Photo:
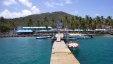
(49, 19)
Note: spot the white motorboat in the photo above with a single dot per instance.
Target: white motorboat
(72, 45)
(79, 36)
(43, 37)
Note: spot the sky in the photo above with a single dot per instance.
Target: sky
(21, 8)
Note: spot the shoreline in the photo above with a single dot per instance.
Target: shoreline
(31, 35)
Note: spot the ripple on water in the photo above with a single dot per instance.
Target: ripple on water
(98, 50)
(25, 50)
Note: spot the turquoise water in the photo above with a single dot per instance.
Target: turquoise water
(98, 50)
(25, 50)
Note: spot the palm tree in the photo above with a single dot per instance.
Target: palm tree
(99, 23)
(29, 22)
(109, 20)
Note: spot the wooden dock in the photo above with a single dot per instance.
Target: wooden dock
(61, 54)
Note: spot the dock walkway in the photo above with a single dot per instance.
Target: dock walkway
(61, 54)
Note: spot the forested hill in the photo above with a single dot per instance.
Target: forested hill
(42, 19)
(49, 19)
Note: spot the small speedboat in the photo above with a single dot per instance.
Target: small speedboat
(43, 37)
(80, 36)
(72, 45)
(40, 37)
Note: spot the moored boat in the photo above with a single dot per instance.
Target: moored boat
(79, 36)
(72, 45)
(43, 37)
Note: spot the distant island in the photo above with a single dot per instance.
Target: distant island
(48, 19)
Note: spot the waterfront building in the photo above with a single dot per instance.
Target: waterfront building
(30, 30)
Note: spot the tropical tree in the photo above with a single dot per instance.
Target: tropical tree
(30, 22)
(99, 23)
(109, 21)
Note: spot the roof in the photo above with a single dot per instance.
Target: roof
(36, 27)
(78, 30)
(24, 31)
(43, 30)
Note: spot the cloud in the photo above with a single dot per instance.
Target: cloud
(8, 14)
(9, 2)
(29, 4)
(53, 4)
(25, 12)
(68, 1)
(26, 3)
(49, 4)
(97, 14)
(35, 10)
(76, 12)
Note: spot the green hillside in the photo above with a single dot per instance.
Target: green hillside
(49, 19)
